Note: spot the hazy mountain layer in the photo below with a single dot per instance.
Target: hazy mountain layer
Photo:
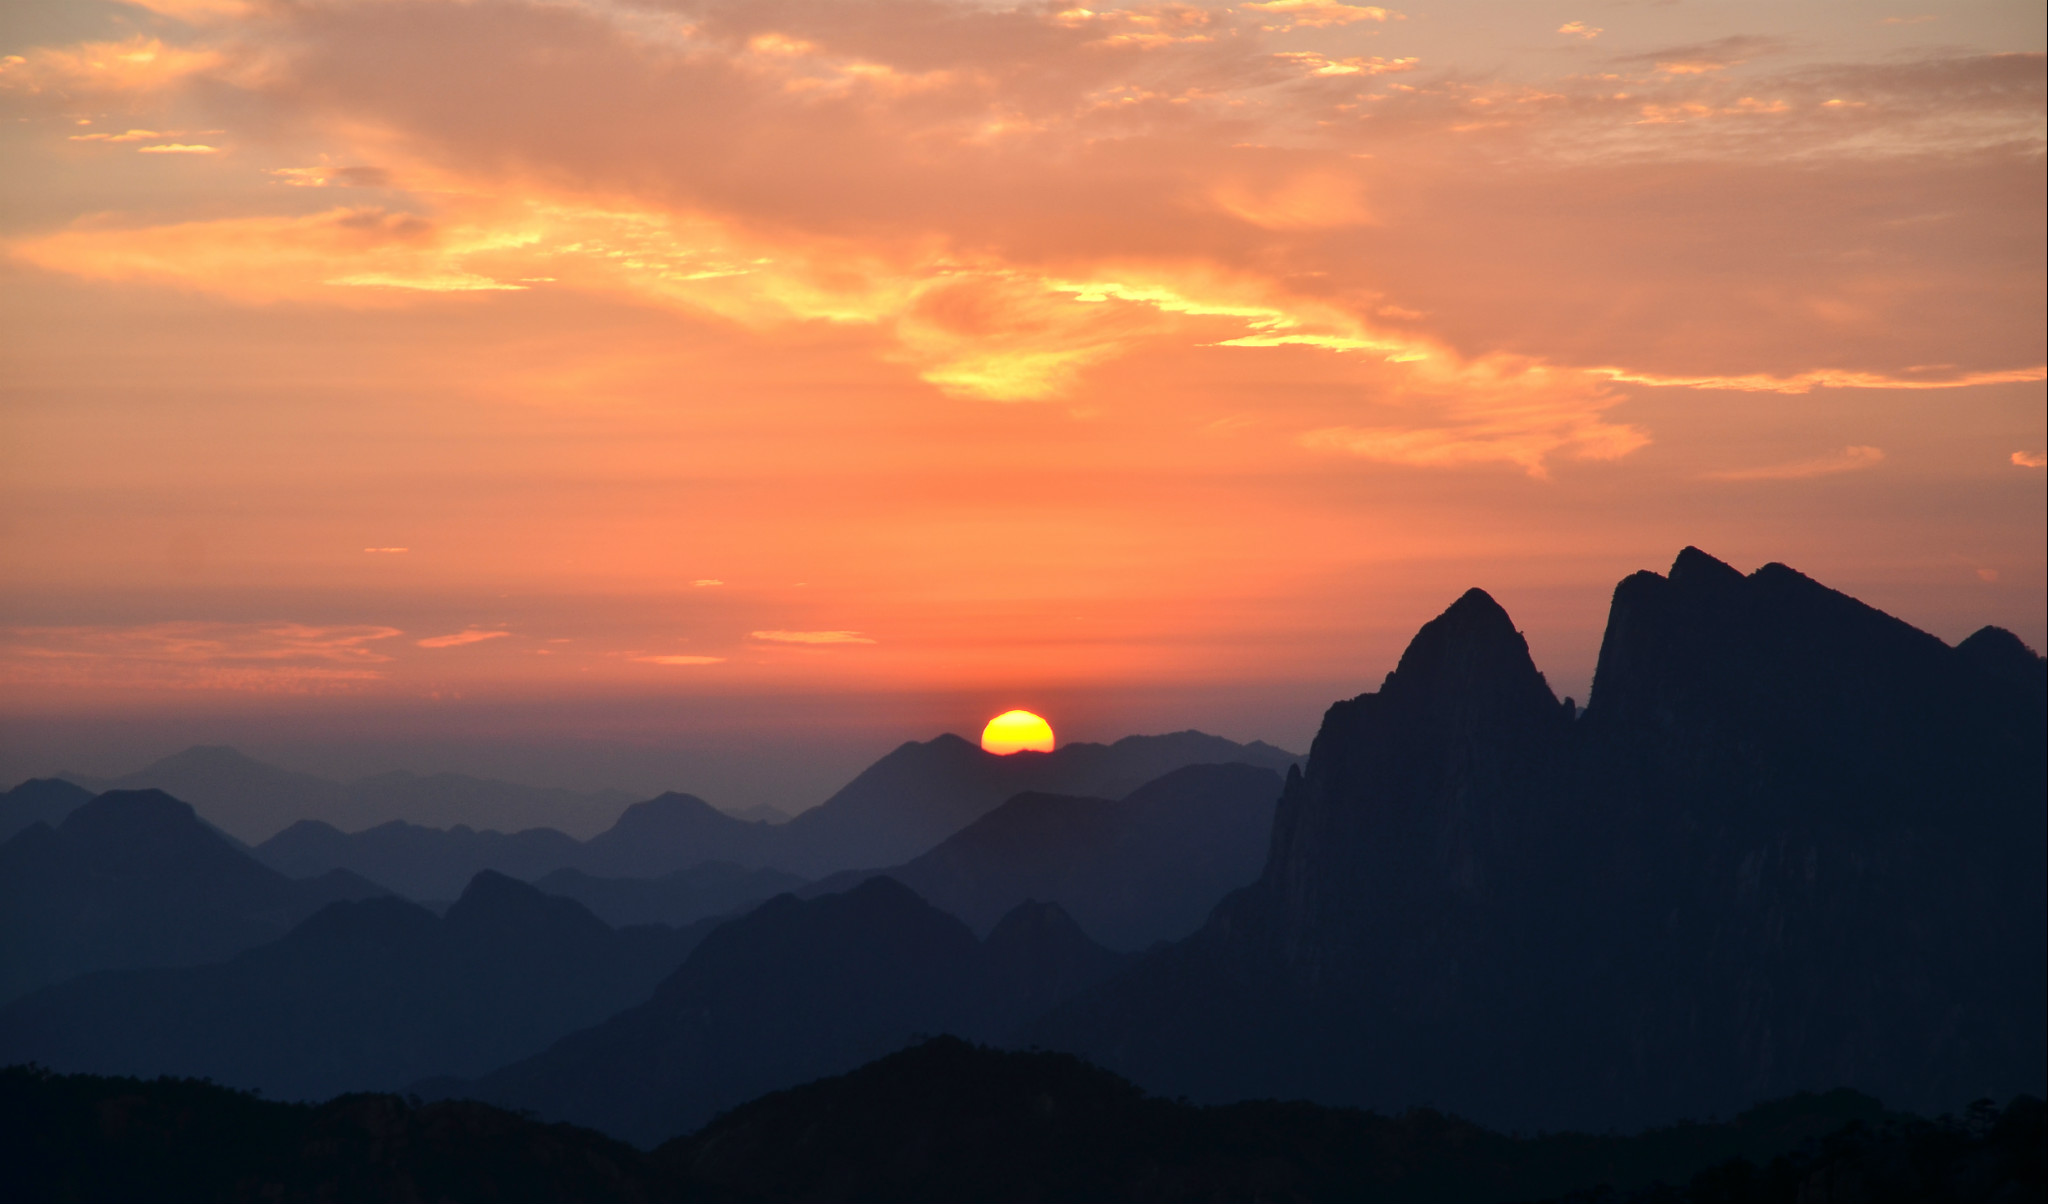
(254, 801)
(715, 888)
(904, 804)
(367, 995)
(1791, 843)
(795, 990)
(39, 801)
(1146, 868)
(134, 878)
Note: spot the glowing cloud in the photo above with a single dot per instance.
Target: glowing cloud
(810, 637)
(2030, 459)
(679, 659)
(460, 638)
(1849, 459)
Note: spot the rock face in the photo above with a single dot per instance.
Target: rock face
(1792, 843)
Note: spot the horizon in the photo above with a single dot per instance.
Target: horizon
(693, 391)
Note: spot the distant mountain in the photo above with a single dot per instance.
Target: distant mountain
(1146, 868)
(715, 888)
(39, 801)
(135, 878)
(904, 804)
(920, 794)
(419, 863)
(1791, 843)
(758, 813)
(367, 995)
(253, 801)
(795, 990)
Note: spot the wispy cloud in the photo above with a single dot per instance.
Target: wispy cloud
(810, 637)
(1849, 459)
(262, 657)
(460, 638)
(2024, 459)
(679, 659)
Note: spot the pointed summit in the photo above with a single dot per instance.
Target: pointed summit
(1470, 661)
(1694, 570)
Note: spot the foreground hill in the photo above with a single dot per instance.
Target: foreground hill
(134, 878)
(899, 807)
(1134, 871)
(797, 989)
(946, 1121)
(1792, 843)
(368, 995)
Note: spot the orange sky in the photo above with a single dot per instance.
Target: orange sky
(1166, 364)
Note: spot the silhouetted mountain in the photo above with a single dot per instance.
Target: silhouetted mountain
(39, 801)
(948, 1121)
(920, 794)
(253, 801)
(715, 888)
(124, 1140)
(897, 808)
(134, 878)
(758, 813)
(1791, 843)
(673, 832)
(419, 863)
(368, 995)
(1146, 868)
(794, 990)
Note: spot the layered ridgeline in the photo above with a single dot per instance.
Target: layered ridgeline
(894, 810)
(363, 996)
(793, 991)
(134, 878)
(1132, 872)
(1791, 843)
(253, 801)
(945, 1121)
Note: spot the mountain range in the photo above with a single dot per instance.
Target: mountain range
(134, 878)
(899, 807)
(364, 995)
(1791, 842)
(1131, 872)
(253, 801)
(795, 990)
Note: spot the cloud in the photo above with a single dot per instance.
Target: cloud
(1580, 29)
(810, 637)
(178, 148)
(1823, 378)
(256, 657)
(2023, 459)
(457, 640)
(1849, 459)
(1319, 14)
(680, 660)
(388, 551)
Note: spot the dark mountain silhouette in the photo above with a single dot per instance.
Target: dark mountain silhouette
(759, 813)
(1791, 843)
(715, 888)
(948, 1121)
(419, 863)
(367, 995)
(134, 878)
(796, 989)
(676, 831)
(920, 794)
(1146, 868)
(39, 801)
(253, 801)
(896, 809)
(125, 1140)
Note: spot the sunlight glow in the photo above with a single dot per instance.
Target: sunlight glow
(1016, 731)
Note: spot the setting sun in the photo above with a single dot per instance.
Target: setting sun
(1016, 731)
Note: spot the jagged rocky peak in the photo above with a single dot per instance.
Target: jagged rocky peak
(1469, 664)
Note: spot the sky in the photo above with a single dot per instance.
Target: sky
(712, 396)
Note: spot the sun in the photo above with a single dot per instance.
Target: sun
(1016, 731)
